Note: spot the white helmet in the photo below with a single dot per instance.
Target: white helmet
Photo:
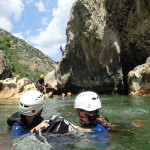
(88, 101)
(31, 103)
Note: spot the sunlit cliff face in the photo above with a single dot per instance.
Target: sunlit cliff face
(103, 44)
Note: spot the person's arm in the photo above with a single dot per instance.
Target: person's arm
(37, 82)
(43, 124)
(79, 129)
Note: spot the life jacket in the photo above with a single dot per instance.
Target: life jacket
(20, 119)
(100, 132)
(99, 128)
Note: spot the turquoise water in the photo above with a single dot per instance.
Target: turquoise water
(132, 114)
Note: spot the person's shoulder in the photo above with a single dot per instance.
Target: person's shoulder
(13, 118)
(15, 115)
(99, 127)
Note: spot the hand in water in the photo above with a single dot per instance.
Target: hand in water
(43, 124)
(79, 129)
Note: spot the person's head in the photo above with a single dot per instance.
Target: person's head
(41, 76)
(87, 105)
(69, 94)
(31, 104)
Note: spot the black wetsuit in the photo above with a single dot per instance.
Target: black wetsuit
(19, 125)
(40, 81)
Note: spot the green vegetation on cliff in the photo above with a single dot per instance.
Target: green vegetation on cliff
(25, 60)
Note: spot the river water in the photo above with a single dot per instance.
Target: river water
(132, 114)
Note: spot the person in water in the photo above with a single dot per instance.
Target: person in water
(28, 119)
(40, 83)
(87, 105)
(69, 94)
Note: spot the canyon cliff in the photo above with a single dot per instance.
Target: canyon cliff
(105, 41)
(5, 69)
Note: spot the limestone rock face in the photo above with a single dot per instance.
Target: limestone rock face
(4, 67)
(14, 87)
(50, 80)
(139, 80)
(106, 39)
(92, 55)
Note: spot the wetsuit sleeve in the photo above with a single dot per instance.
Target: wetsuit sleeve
(18, 130)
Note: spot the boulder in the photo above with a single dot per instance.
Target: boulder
(51, 80)
(139, 80)
(14, 87)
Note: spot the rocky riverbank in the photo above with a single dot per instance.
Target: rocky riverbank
(14, 87)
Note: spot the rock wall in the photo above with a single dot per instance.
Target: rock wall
(131, 20)
(105, 40)
(91, 60)
(5, 71)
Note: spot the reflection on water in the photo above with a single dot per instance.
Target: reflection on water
(130, 113)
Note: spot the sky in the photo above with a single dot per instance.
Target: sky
(41, 23)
